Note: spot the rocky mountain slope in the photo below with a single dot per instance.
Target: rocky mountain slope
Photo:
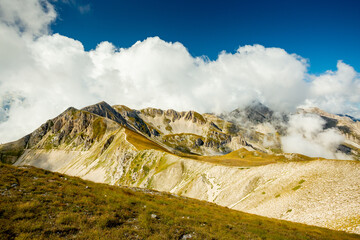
(349, 127)
(213, 158)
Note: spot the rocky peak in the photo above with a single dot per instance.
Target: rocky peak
(72, 126)
(195, 117)
(153, 112)
(105, 110)
(132, 118)
(255, 112)
(172, 114)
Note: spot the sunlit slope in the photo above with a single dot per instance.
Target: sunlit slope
(319, 192)
(38, 204)
(245, 158)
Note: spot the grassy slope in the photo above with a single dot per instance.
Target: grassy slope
(245, 158)
(238, 158)
(141, 143)
(38, 204)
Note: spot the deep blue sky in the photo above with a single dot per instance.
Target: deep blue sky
(321, 31)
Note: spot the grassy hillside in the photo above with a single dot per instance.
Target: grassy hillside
(38, 204)
(245, 158)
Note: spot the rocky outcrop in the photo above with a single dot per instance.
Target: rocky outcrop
(10, 152)
(255, 113)
(348, 126)
(70, 130)
(175, 129)
(105, 110)
(199, 142)
(132, 118)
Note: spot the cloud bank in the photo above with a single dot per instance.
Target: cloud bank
(42, 74)
(306, 135)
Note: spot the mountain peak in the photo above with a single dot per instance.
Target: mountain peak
(103, 109)
(99, 105)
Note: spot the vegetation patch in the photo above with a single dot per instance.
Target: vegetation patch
(199, 117)
(99, 128)
(301, 181)
(141, 143)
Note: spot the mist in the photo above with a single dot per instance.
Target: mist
(306, 135)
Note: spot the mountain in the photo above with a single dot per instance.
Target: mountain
(105, 110)
(221, 159)
(347, 125)
(38, 204)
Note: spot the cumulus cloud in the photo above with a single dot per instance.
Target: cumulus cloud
(167, 76)
(306, 135)
(337, 92)
(42, 74)
(27, 17)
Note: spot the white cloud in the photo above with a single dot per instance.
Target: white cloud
(337, 92)
(307, 136)
(27, 17)
(42, 74)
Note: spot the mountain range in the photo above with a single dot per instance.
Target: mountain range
(234, 159)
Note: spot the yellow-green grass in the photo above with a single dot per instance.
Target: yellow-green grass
(242, 158)
(142, 143)
(38, 204)
(245, 158)
(238, 158)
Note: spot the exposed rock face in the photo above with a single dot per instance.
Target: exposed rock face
(133, 119)
(105, 110)
(10, 152)
(199, 142)
(182, 131)
(258, 113)
(155, 133)
(71, 129)
(173, 115)
(255, 113)
(348, 126)
(330, 122)
(188, 132)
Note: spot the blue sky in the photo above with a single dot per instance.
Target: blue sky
(320, 31)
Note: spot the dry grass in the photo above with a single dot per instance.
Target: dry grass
(238, 158)
(38, 204)
(142, 143)
(245, 158)
(242, 158)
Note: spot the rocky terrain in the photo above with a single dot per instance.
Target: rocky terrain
(349, 127)
(220, 159)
